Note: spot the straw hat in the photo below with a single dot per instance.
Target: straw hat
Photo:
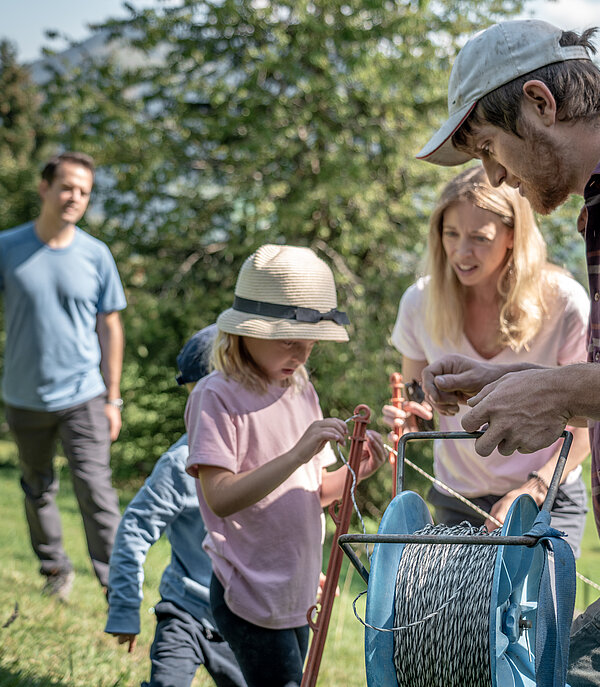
(285, 292)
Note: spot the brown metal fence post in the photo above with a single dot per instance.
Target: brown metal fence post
(397, 401)
(320, 623)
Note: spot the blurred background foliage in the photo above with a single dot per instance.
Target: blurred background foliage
(218, 127)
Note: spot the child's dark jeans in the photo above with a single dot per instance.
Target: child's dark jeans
(268, 658)
(182, 644)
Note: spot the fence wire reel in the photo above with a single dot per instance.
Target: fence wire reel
(459, 607)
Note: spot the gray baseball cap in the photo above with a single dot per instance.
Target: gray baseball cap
(488, 60)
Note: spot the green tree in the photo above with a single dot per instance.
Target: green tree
(222, 126)
(565, 246)
(21, 140)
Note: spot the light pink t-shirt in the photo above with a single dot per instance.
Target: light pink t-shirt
(561, 340)
(266, 556)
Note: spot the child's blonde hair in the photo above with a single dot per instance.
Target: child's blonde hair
(231, 357)
(524, 279)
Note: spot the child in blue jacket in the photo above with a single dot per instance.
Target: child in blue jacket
(185, 633)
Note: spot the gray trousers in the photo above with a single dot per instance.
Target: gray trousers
(84, 434)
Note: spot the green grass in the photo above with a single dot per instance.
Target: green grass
(50, 644)
(589, 563)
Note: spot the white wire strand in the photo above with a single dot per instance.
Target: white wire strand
(460, 497)
(353, 487)
(409, 625)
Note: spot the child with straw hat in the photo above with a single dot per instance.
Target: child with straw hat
(258, 446)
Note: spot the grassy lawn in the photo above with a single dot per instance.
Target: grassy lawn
(589, 563)
(50, 644)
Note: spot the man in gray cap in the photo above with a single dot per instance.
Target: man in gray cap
(524, 98)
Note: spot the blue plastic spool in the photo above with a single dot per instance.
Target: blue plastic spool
(406, 514)
(515, 591)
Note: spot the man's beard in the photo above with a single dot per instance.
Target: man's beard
(547, 186)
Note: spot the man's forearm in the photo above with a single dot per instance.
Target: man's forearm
(111, 339)
(579, 384)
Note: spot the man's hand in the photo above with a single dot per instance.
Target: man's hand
(523, 410)
(114, 420)
(453, 379)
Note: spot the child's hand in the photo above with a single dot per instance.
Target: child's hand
(374, 455)
(322, 580)
(124, 639)
(318, 434)
(404, 419)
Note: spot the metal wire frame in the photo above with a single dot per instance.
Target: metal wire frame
(346, 540)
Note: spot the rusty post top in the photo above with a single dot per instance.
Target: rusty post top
(362, 413)
(396, 379)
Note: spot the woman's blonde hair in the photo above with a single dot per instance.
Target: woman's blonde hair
(522, 281)
(230, 356)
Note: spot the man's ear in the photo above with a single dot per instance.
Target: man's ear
(539, 101)
(42, 188)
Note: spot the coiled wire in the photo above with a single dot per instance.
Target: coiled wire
(442, 611)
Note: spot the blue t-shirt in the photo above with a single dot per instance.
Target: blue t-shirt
(51, 300)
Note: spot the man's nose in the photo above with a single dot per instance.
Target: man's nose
(496, 173)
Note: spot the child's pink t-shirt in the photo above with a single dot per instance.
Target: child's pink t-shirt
(266, 556)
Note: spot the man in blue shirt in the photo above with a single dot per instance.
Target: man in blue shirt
(185, 633)
(62, 366)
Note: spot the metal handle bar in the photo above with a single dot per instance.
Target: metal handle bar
(346, 540)
(415, 436)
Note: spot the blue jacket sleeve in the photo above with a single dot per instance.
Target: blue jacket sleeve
(155, 505)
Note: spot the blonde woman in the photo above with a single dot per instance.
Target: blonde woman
(490, 294)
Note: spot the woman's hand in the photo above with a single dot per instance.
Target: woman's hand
(403, 420)
(322, 580)
(500, 509)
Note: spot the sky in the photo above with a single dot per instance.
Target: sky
(24, 22)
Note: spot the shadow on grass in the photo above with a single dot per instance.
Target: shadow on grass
(18, 678)
(8, 678)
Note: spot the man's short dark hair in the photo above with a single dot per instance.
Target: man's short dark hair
(49, 171)
(574, 84)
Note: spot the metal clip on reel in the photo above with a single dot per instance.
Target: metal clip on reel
(522, 577)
